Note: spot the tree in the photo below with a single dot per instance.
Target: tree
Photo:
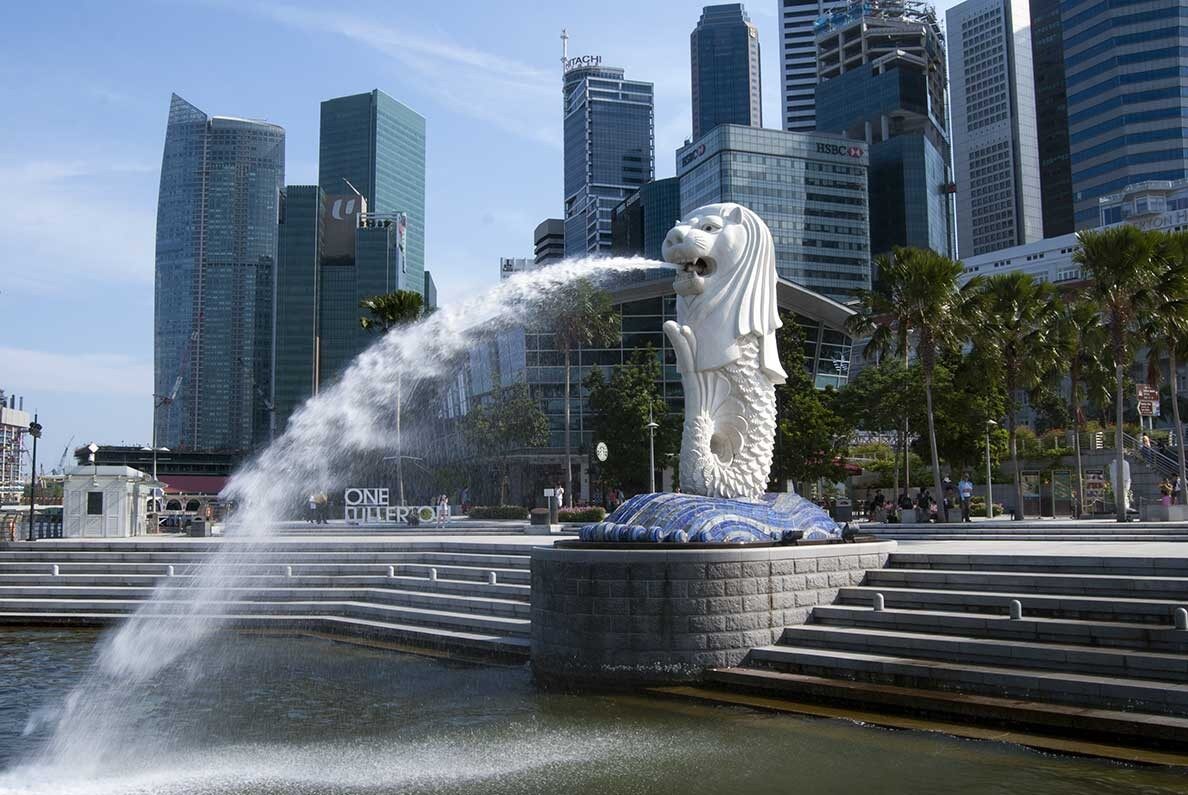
(1164, 325)
(386, 312)
(811, 437)
(1018, 327)
(918, 298)
(1079, 343)
(583, 317)
(1120, 264)
(619, 413)
(508, 420)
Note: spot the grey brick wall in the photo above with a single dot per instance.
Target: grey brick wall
(623, 617)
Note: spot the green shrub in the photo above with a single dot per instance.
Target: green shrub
(592, 514)
(498, 512)
(977, 507)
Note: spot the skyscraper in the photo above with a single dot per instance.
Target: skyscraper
(642, 220)
(378, 145)
(217, 211)
(995, 148)
(882, 83)
(298, 294)
(809, 189)
(798, 62)
(1051, 117)
(724, 56)
(609, 148)
(549, 241)
(1124, 66)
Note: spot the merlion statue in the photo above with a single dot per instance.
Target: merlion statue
(725, 349)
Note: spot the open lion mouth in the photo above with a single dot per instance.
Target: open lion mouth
(701, 266)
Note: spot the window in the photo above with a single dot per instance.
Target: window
(94, 503)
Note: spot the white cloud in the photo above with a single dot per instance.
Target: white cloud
(503, 92)
(79, 373)
(60, 223)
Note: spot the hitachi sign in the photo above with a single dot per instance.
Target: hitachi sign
(582, 60)
(840, 149)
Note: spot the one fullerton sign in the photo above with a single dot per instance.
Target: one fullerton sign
(372, 506)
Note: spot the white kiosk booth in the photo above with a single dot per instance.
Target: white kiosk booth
(105, 502)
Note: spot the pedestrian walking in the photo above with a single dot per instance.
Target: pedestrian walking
(311, 508)
(965, 492)
(443, 510)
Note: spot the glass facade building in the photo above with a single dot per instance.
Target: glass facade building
(882, 70)
(217, 211)
(298, 294)
(1051, 116)
(798, 62)
(1125, 66)
(377, 144)
(548, 241)
(642, 220)
(995, 143)
(724, 58)
(810, 189)
(529, 355)
(609, 146)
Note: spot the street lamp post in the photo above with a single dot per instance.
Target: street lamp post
(651, 426)
(35, 432)
(990, 424)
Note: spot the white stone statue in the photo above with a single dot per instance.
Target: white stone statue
(726, 349)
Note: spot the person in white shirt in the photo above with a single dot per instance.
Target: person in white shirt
(965, 492)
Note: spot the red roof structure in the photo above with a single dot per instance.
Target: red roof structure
(209, 485)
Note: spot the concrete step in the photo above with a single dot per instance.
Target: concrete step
(1101, 692)
(367, 610)
(910, 535)
(1034, 629)
(1110, 725)
(180, 591)
(482, 644)
(501, 590)
(1121, 663)
(1093, 608)
(274, 558)
(1100, 563)
(278, 569)
(1033, 582)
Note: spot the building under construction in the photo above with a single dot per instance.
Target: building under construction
(14, 424)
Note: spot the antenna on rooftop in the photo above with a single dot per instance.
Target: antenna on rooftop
(564, 47)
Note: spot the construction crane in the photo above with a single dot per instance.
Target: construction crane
(65, 451)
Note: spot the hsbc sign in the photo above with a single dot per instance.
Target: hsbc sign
(840, 149)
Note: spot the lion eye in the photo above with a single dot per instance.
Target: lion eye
(708, 227)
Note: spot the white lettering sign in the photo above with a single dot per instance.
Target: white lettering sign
(366, 506)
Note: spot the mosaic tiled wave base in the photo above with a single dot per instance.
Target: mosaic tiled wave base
(689, 518)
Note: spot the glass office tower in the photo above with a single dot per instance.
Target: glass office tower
(1124, 69)
(642, 220)
(377, 144)
(1051, 116)
(221, 180)
(609, 148)
(882, 71)
(724, 60)
(810, 190)
(298, 292)
(798, 62)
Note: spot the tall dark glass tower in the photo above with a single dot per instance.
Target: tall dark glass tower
(1051, 117)
(378, 145)
(609, 149)
(217, 210)
(724, 56)
(298, 294)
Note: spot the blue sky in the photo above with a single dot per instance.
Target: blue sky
(85, 86)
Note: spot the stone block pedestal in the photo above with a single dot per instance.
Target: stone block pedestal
(623, 617)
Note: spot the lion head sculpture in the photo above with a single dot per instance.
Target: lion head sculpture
(726, 285)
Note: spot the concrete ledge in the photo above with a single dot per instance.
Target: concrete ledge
(623, 617)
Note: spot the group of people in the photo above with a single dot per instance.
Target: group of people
(1170, 491)
(924, 504)
(317, 508)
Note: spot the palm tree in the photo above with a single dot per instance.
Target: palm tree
(386, 312)
(920, 299)
(1120, 264)
(1079, 342)
(883, 321)
(1019, 328)
(1164, 324)
(583, 317)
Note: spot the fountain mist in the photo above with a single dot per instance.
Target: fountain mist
(158, 648)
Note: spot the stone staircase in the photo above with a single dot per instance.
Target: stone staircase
(436, 595)
(1095, 651)
(1033, 530)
